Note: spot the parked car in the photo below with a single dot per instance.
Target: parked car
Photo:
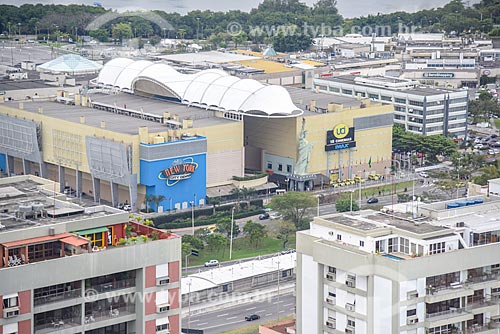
(423, 174)
(275, 215)
(264, 216)
(372, 200)
(287, 251)
(252, 317)
(212, 263)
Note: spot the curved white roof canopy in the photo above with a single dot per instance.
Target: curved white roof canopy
(211, 89)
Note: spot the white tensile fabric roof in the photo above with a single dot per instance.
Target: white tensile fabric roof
(212, 89)
(71, 64)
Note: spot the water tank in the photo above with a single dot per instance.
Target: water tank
(25, 208)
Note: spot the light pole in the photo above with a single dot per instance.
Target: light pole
(360, 178)
(231, 239)
(192, 216)
(278, 297)
(351, 200)
(317, 211)
(170, 203)
(189, 306)
(458, 176)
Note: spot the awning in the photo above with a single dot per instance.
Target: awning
(75, 241)
(92, 231)
(225, 190)
(266, 186)
(38, 240)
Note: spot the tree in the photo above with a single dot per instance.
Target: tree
(293, 206)
(285, 229)
(148, 199)
(224, 227)
(195, 242)
(102, 35)
(255, 231)
(202, 233)
(484, 107)
(238, 193)
(239, 39)
(157, 199)
(344, 203)
(215, 201)
(216, 242)
(121, 31)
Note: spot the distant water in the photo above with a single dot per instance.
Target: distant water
(348, 8)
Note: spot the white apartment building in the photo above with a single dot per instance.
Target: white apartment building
(387, 273)
(420, 109)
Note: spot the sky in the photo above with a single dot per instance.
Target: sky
(346, 7)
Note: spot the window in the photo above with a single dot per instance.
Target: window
(269, 165)
(386, 98)
(280, 167)
(334, 89)
(393, 245)
(332, 270)
(164, 327)
(437, 248)
(416, 103)
(332, 294)
(288, 168)
(321, 87)
(404, 245)
(351, 322)
(362, 94)
(399, 100)
(361, 243)
(411, 313)
(10, 302)
(339, 237)
(347, 91)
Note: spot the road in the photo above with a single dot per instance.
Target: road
(234, 317)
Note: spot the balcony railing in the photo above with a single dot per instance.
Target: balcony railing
(112, 286)
(109, 313)
(57, 325)
(52, 298)
(449, 313)
(483, 278)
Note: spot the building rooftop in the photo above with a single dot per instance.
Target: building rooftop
(29, 203)
(302, 98)
(205, 57)
(400, 85)
(123, 123)
(217, 276)
(8, 85)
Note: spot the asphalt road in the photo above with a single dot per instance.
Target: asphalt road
(234, 317)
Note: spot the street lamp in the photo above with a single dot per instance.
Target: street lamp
(192, 216)
(360, 177)
(352, 191)
(189, 305)
(458, 175)
(231, 239)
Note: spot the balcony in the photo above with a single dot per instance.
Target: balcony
(479, 304)
(451, 316)
(111, 286)
(445, 292)
(56, 297)
(56, 325)
(110, 313)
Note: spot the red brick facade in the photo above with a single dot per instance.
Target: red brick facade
(173, 271)
(150, 279)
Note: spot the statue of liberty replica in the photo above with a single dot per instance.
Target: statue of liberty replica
(304, 149)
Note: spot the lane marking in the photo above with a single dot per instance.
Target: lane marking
(231, 318)
(251, 308)
(267, 315)
(222, 315)
(285, 305)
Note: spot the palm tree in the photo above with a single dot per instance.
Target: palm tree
(237, 192)
(157, 199)
(215, 201)
(147, 200)
(247, 193)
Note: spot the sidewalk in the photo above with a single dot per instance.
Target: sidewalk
(230, 300)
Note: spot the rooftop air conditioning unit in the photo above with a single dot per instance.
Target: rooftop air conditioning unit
(349, 307)
(162, 308)
(412, 321)
(350, 284)
(461, 224)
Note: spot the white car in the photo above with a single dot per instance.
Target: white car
(275, 215)
(423, 174)
(212, 263)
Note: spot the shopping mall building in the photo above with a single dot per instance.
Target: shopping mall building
(144, 128)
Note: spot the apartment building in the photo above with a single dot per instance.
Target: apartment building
(420, 109)
(388, 273)
(68, 268)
